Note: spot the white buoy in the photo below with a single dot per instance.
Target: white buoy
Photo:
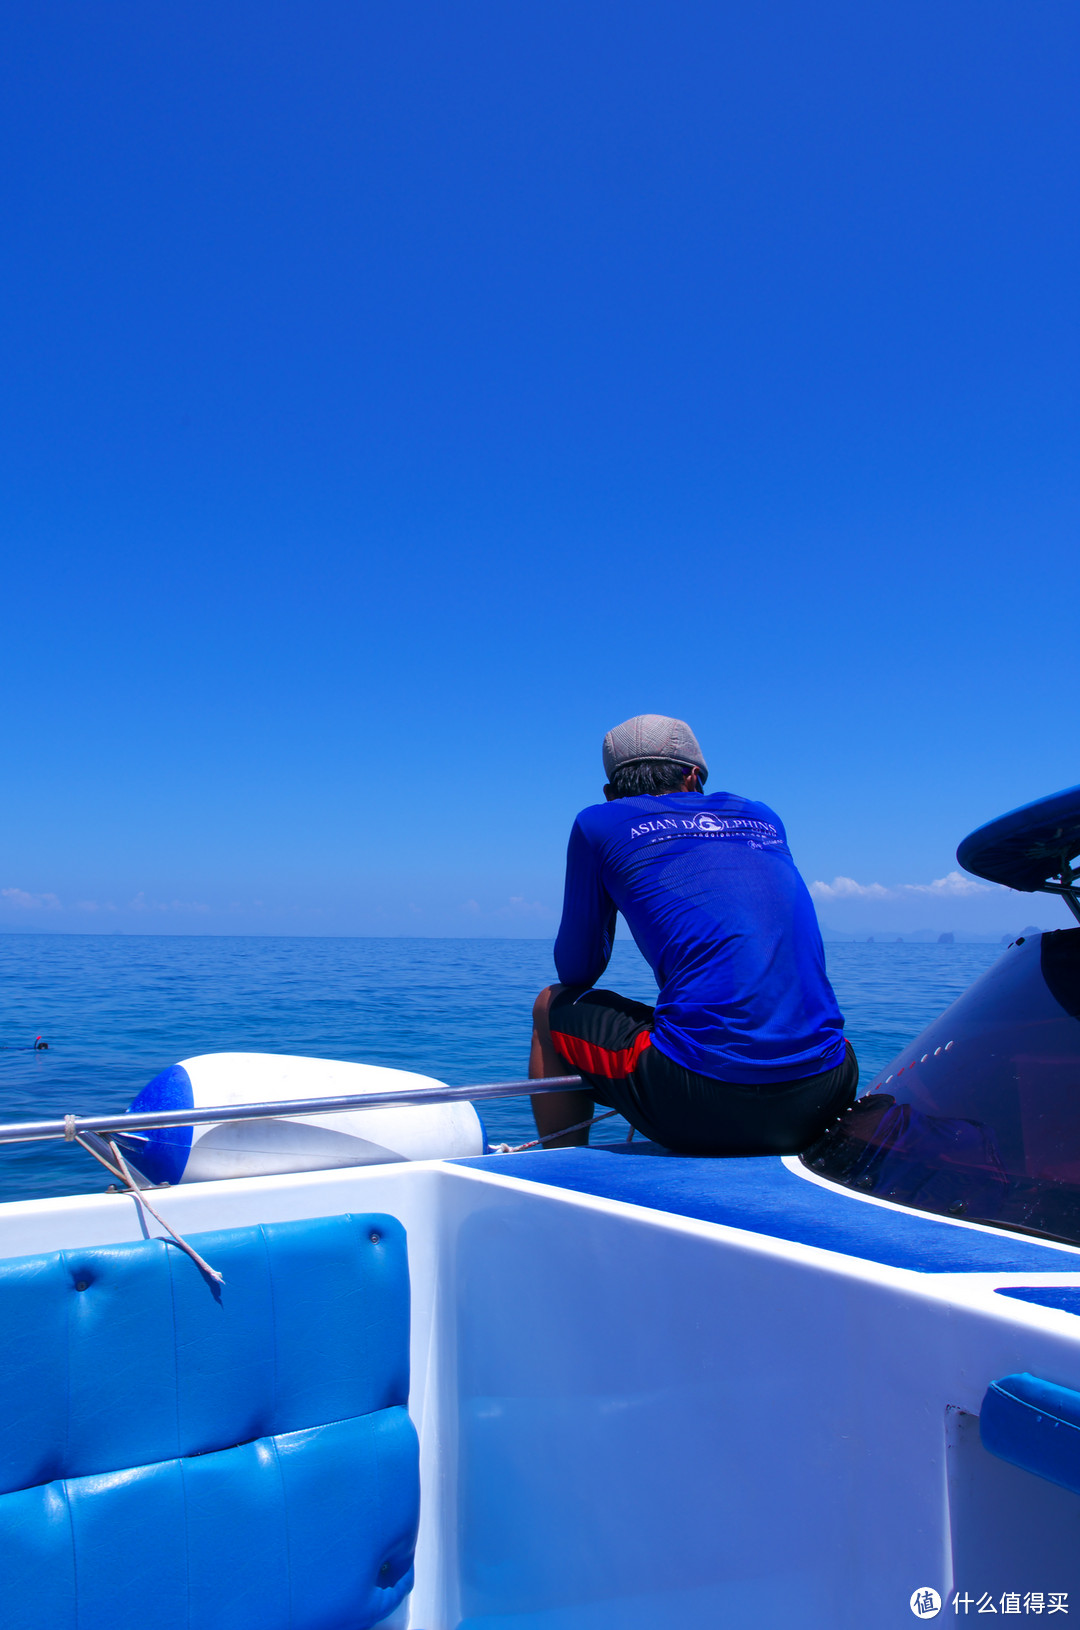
(293, 1143)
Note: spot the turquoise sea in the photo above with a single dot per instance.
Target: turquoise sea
(117, 1009)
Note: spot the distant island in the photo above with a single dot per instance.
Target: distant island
(925, 936)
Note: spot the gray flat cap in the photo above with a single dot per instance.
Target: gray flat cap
(652, 736)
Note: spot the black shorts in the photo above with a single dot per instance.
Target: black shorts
(607, 1038)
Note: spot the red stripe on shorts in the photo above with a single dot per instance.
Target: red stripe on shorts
(605, 1061)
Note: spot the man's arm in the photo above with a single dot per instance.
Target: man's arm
(587, 930)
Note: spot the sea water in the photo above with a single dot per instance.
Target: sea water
(116, 1009)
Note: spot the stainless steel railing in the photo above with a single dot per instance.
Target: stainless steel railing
(71, 1126)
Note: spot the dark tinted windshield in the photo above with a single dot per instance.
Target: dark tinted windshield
(980, 1117)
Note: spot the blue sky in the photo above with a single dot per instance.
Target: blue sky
(395, 398)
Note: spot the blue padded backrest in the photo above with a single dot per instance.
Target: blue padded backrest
(1034, 1424)
(235, 1456)
(148, 1361)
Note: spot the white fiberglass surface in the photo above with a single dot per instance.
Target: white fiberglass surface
(1007, 1526)
(631, 1421)
(664, 1423)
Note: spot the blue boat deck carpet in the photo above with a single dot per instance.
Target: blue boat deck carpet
(1063, 1297)
(762, 1196)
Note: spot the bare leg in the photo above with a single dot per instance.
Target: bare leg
(554, 1110)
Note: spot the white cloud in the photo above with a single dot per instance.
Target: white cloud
(516, 906)
(846, 888)
(141, 903)
(519, 906)
(29, 902)
(954, 885)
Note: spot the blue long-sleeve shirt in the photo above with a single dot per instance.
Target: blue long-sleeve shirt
(711, 894)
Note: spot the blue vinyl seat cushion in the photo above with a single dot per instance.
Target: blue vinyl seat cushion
(311, 1528)
(238, 1456)
(1034, 1424)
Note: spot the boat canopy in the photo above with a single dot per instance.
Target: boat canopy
(1031, 849)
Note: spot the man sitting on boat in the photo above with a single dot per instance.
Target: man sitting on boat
(744, 1052)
